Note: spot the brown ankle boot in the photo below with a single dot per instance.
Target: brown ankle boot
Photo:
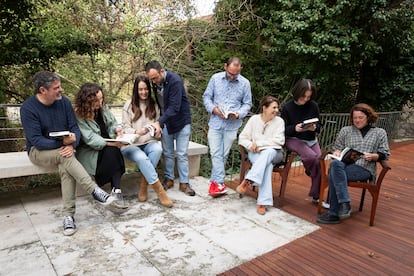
(143, 191)
(241, 189)
(162, 195)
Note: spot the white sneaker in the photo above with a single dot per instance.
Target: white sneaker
(325, 205)
(119, 199)
(118, 206)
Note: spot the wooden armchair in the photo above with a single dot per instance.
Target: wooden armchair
(373, 188)
(282, 169)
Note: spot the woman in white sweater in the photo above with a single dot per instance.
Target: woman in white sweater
(263, 137)
(139, 112)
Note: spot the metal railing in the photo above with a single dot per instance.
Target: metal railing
(12, 136)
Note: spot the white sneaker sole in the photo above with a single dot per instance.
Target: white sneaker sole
(117, 209)
(70, 231)
(216, 194)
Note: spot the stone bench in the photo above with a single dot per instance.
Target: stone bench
(16, 164)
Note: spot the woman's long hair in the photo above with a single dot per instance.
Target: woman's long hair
(85, 99)
(135, 100)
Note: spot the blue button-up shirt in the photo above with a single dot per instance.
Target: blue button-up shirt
(235, 95)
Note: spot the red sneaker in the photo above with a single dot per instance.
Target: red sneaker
(221, 189)
(213, 188)
(217, 189)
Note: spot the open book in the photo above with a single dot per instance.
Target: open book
(309, 121)
(225, 111)
(59, 133)
(348, 155)
(270, 147)
(126, 138)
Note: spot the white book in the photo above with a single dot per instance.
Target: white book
(127, 139)
(59, 133)
(270, 147)
(151, 130)
(225, 111)
(309, 121)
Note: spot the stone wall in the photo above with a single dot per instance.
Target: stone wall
(406, 125)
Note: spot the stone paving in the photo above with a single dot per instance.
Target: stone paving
(198, 236)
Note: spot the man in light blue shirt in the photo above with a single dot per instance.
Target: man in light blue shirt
(228, 98)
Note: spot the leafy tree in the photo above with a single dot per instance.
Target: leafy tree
(107, 42)
(354, 51)
(14, 44)
(33, 39)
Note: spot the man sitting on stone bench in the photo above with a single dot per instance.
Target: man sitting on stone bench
(52, 135)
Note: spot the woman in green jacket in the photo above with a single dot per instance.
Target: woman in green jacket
(101, 158)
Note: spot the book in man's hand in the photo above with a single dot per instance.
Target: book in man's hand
(59, 134)
(348, 155)
(126, 138)
(225, 111)
(308, 122)
(151, 130)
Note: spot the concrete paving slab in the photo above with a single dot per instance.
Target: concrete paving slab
(15, 227)
(25, 259)
(198, 236)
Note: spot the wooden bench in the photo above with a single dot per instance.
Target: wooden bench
(16, 164)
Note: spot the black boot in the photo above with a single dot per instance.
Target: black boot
(328, 219)
(344, 210)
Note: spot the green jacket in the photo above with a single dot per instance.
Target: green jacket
(92, 141)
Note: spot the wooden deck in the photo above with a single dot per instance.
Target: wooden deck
(352, 247)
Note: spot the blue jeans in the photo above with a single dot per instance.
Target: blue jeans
(261, 173)
(339, 175)
(147, 157)
(182, 139)
(220, 142)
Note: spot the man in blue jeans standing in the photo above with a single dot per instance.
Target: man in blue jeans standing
(228, 98)
(174, 123)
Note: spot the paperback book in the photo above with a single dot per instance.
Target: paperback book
(59, 134)
(151, 130)
(348, 155)
(127, 139)
(308, 122)
(224, 110)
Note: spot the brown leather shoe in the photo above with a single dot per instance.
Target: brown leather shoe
(168, 183)
(186, 188)
(261, 209)
(241, 189)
